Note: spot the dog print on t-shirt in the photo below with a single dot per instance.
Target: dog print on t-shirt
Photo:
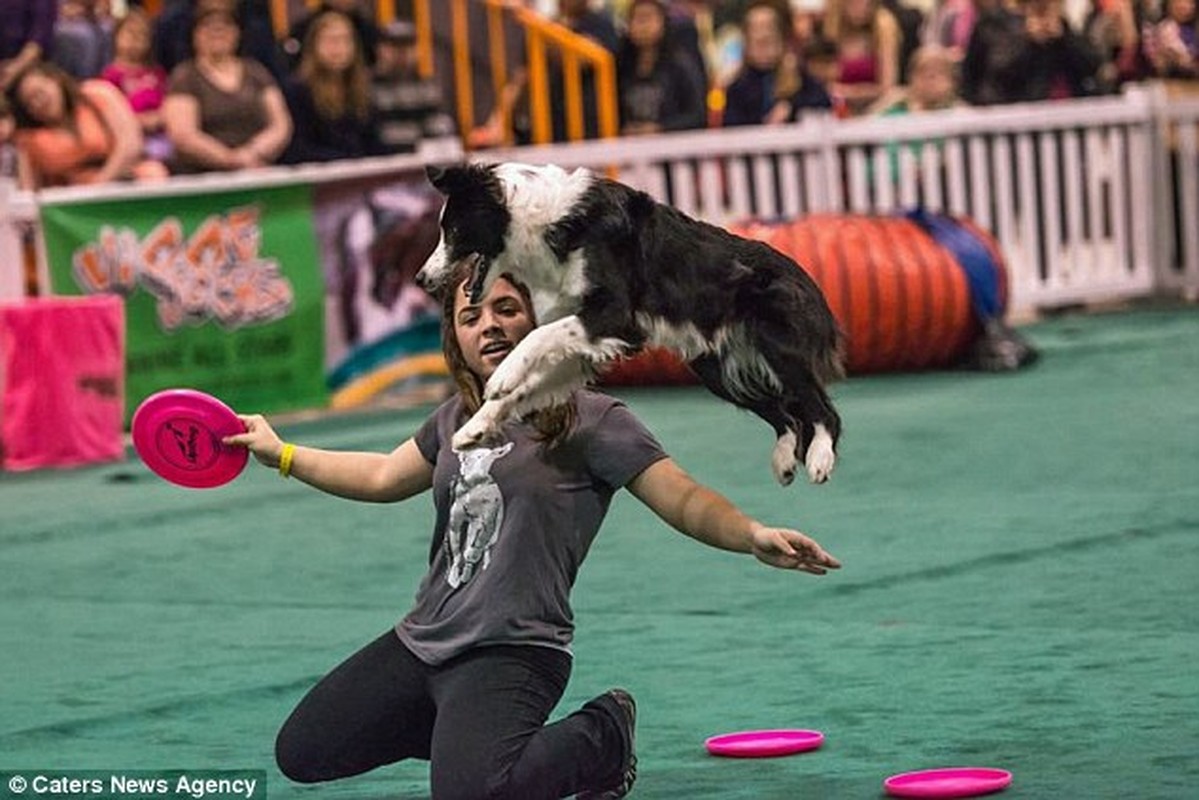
(476, 513)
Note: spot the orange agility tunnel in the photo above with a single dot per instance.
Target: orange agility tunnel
(901, 298)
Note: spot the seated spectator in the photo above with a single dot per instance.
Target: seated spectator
(1027, 55)
(821, 60)
(868, 43)
(82, 39)
(365, 29)
(1111, 28)
(26, 35)
(71, 133)
(932, 85)
(772, 86)
(408, 107)
(329, 96)
(659, 89)
(222, 111)
(143, 82)
(172, 41)
(1173, 44)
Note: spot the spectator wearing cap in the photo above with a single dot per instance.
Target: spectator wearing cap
(408, 107)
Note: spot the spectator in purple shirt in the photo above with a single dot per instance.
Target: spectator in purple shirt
(26, 35)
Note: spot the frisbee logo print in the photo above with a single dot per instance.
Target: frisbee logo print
(476, 514)
(216, 274)
(186, 441)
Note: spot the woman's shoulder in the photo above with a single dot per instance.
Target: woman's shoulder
(257, 74)
(449, 409)
(102, 94)
(98, 88)
(184, 77)
(592, 405)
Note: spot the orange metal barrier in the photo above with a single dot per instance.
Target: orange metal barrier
(542, 35)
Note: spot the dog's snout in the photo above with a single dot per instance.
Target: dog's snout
(422, 279)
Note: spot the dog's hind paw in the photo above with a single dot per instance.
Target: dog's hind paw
(783, 461)
(820, 458)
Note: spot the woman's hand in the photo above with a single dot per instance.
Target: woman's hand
(788, 549)
(260, 439)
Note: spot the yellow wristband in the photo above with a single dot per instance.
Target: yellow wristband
(285, 457)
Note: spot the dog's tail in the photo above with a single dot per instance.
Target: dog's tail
(810, 320)
(828, 364)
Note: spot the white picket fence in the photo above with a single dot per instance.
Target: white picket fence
(1090, 200)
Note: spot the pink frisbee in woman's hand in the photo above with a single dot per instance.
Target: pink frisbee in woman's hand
(950, 782)
(764, 744)
(178, 434)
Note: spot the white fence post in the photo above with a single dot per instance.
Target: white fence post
(12, 258)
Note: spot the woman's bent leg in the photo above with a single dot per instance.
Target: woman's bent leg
(371, 710)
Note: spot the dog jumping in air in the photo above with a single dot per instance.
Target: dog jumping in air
(610, 271)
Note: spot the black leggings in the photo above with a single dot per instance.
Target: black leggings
(479, 719)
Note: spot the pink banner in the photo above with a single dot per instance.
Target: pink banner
(62, 381)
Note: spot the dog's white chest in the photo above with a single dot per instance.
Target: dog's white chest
(556, 288)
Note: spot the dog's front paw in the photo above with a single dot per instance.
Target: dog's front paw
(479, 431)
(503, 382)
(783, 461)
(820, 458)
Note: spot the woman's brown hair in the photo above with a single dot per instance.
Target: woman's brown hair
(552, 424)
(71, 96)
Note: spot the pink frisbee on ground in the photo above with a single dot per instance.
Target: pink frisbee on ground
(764, 744)
(177, 433)
(950, 782)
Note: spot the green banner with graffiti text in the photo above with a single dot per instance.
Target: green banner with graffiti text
(223, 291)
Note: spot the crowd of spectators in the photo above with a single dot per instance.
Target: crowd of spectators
(767, 61)
(204, 85)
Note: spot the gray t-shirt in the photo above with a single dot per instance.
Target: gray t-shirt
(514, 523)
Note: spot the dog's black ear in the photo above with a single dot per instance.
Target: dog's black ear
(441, 177)
(450, 178)
(466, 179)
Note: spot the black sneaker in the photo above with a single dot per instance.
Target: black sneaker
(628, 710)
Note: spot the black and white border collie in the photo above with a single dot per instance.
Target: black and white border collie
(611, 270)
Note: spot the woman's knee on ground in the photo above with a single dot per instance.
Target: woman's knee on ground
(302, 757)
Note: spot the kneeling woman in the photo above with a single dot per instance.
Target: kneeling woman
(468, 678)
